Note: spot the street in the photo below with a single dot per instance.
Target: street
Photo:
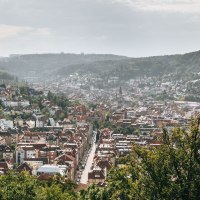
(84, 176)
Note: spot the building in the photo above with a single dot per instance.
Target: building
(23, 152)
(6, 124)
(52, 170)
(97, 175)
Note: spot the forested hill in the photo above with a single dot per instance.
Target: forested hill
(49, 65)
(4, 76)
(150, 66)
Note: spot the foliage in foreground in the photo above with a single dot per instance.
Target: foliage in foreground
(168, 172)
(171, 171)
(20, 186)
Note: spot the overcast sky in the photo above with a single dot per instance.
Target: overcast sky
(127, 27)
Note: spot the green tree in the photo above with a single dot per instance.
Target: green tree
(170, 171)
(53, 192)
(23, 186)
(95, 124)
(106, 124)
(97, 136)
(15, 186)
(45, 112)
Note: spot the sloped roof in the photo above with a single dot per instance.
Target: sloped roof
(24, 166)
(104, 164)
(97, 173)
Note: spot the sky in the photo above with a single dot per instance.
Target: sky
(135, 28)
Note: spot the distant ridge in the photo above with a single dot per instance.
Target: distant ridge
(147, 66)
(6, 76)
(48, 65)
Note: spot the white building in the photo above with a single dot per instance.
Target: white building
(52, 122)
(23, 152)
(52, 169)
(6, 124)
(24, 103)
(39, 123)
(8, 103)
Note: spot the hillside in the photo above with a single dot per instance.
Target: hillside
(5, 76)
(44, 65)
(133, 67)
(49, 65)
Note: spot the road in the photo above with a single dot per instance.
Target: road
(84, 176)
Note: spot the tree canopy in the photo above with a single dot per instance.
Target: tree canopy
(21, 186)
(170, 171)
(166, 172)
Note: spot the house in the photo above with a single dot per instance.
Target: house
(50, 152)
(24, 167)
(30, 124)
(69, 161)
(8, 154)
(23, 152)
(2, 147)
(30, 137)
(23, 103)
(51, 155)
(6, 137)
(6, 124)
(19, 121)
(51, 139)
(104, 164)
(8, 103)
(39, 123)
(51, 122)
(97, 175)
(36, 162)
(4, 167)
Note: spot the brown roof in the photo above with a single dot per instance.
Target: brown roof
(7, 150)
(104, 164)
(28, 148)
(24, 167)
(64, 158)
(4, 166)
(39, 145)
(96, 174)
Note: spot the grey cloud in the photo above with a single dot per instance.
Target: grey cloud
(126, 27)
(183, 6)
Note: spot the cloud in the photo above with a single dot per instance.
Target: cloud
(9, 31)
(100, 37)
(182, 6)
(130, 27)
(41, 31)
